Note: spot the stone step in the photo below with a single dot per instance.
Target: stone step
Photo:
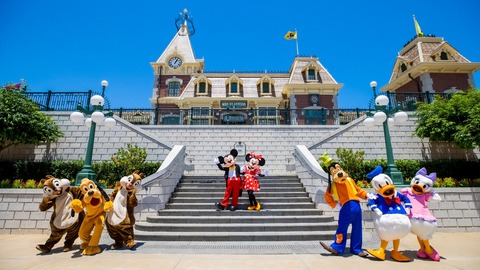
(239, 219)
(265, 206)
(235, 227)
(234, 236)
(261, 198)
(222, 185)
(220, 189)
(240, 212)
(219, 194)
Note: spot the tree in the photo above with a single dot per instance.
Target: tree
(454, 120)
(21, 121)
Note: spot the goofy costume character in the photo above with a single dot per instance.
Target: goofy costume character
(343, 193)
(232, 177)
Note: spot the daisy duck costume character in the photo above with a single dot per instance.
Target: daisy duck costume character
(232, 177)
(424, 224)
(251, 173)
(343, 193)
(391, 221)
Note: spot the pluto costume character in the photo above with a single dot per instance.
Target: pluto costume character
(121, 219)
(424, 224)
(343, 193)
(391, 221)
(95, 202)
(59, 194)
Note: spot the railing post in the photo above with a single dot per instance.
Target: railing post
(49, 95)
(120, 112)
(428, 97)
(89, 95)
(155, 117)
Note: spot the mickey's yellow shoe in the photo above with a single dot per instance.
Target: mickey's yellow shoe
(258, 207)
(251, 207)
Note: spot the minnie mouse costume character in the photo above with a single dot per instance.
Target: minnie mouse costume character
(232, 176)
(250, 180)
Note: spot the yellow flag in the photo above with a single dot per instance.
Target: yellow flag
(291, 35)
(418, 30)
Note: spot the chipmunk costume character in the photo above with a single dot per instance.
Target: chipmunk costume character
(251, 173)
(391, 222)
(343, 193)
(232, 177)
(424, 224)
(59, 194)
(121, 219)
(95, 202)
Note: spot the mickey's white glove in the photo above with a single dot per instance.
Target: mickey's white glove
(408, 210)
(266, 172)
(378, 212)
(372, 196)
(216, 160)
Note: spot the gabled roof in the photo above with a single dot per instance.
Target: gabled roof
(180, 45)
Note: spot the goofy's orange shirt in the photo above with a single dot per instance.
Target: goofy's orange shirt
(343, 192)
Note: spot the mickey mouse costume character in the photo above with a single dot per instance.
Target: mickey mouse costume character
(232, 176)
(250, 180)
(391, 222)
(424, 224)
(344, 194)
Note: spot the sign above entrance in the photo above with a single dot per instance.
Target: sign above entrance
(233, 104)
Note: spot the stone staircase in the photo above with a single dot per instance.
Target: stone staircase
(287, 214)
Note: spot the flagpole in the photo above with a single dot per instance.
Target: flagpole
(296, 41)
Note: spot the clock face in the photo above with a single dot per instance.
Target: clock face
(175, 62)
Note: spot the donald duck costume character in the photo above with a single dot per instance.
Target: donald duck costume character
(391, 221)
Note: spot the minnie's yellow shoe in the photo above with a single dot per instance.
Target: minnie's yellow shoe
(258, 207)
(251, 207)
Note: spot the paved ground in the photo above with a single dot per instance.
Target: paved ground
(458, 251)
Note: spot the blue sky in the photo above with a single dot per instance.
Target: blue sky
(74, 45)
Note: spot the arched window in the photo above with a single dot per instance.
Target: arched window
(443, 56)
(174, 85)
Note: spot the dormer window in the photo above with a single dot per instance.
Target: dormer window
(234, 86)
(265, 86)
(202, 86)
(311, 74)
(403, 67)
(443, 56)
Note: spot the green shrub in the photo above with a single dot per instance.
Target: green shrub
(5, 183)
(130, 159)
(17, 183)
(30, 184)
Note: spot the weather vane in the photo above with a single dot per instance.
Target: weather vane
(187, 20)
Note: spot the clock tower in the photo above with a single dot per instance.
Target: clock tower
(174, 67)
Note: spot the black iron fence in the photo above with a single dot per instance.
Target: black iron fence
(68, 101)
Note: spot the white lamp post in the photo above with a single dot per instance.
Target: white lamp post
(96, 117)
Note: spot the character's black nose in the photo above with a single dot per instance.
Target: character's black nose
(90, 192)
(340, 174)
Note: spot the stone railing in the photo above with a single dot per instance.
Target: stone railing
(19, 211)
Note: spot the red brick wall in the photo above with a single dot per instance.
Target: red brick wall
(444, 81)
(163, 87)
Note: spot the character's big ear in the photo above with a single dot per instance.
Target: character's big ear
(247, 157)
(221, 160)
(234, 152)
(261, 162)
(332, 166)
